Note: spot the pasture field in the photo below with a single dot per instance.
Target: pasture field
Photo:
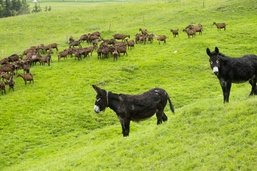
(51, 125)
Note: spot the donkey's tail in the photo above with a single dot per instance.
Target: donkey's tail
(171, 105)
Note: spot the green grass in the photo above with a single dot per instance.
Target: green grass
(51, 125)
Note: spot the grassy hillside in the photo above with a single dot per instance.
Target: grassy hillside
(51, 125)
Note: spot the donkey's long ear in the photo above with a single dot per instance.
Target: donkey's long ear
(217, 50)
(208, 51)
(97, 89)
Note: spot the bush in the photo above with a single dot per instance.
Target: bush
(12, 8)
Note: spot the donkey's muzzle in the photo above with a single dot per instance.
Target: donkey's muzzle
(215, 70)
(96, 109)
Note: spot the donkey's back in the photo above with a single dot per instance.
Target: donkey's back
(153, 96)
(240, 69)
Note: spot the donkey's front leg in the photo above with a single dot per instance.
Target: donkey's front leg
(226, 86)
(125, 125)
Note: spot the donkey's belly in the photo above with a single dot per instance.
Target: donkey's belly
(240, 77)
(237, 75)
(143, 115)
(241, 80)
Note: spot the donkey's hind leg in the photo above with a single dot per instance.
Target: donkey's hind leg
(164, 117)
(253, 84)
(161, 116)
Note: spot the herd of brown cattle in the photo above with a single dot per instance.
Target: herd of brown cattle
(114, 47)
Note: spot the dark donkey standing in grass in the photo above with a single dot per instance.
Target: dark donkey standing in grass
(233, 70)
(134, 107)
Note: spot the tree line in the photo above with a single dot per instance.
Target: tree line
(13, 8)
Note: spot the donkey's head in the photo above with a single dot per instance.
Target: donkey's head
(214, 60)
(101, 99)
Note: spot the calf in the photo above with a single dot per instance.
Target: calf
(174, 32)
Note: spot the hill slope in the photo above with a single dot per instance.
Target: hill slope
(50, 125)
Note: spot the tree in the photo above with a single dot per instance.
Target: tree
(13, 7)
(1, 10)
(16, 5)
(7, 8)
(36, 8)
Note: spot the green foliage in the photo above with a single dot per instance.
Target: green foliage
(50, 125)
(36, 8)
(13, 8)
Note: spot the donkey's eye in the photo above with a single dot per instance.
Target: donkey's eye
(217, 61)
(211, 62)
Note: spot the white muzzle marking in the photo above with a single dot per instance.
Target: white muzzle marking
(215, 69)
(96, 109)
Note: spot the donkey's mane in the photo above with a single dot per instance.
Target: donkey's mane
(224, 57)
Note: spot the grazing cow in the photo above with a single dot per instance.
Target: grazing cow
(141, 38)
(161, 38)
(90, 49)
(18, 64)
(96, 33)
(13, 58)
(35, 58)
(150, 37)
(108, 41)
(121, 36)
(197, 28)
(26, 67)
(130, 43)
(78, 54)
(26, 77)
(63, 54)
(189, 32)
(7, 68)
(233, 70)
(82, 52)
(83, 38)
(45, 60)
(75, 43)
(133, 107)
(121, 49)
(93, 39)
(220, 25)
(51, 46)
(115, 54)
(103, 51)
(174, 32)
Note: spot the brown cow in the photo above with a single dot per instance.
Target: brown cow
(189, 32)
(197, 28)
(161, 38)
(220, 25)
(130, 43)
(174, 32)
(26, 77)
(121, 36)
